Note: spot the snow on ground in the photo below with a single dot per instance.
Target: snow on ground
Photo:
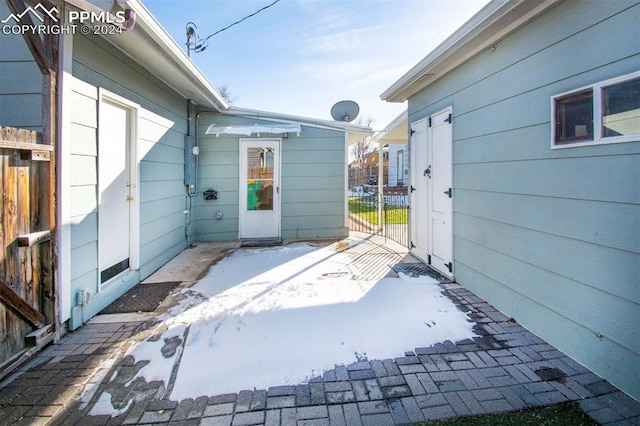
(277, 316)
(358, 191)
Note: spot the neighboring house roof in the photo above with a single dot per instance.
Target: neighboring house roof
(494, 22)
(149, 45)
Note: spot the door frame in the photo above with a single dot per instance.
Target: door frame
(424, 212)
(134, 178)
(414, 171)
(243, 143)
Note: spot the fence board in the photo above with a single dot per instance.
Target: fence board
(10, 222)
(26, 270)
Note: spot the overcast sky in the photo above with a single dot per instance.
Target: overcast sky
(299, 57)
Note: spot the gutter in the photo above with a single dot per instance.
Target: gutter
(291, 119)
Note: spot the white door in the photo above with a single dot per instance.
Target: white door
(259, 215)
(440, 235)
(114, 189)
(431, 181)
(419, 183)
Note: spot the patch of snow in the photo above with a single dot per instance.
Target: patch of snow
(104, 406)
(358, 191)
(91, 386)
(278, 316)
(161, 366)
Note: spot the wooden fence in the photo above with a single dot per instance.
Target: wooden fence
(27, 293)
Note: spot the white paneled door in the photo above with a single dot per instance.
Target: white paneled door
(115, 189)
(432, 176)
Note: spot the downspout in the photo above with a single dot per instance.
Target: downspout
(190, 170)
(192, 154)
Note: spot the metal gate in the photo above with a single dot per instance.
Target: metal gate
(386, 215)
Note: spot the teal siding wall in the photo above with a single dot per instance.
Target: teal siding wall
(550, 237)
(312, 175)
(161, 128)
(20, 82)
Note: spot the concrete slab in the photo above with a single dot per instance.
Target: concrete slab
(192, 263)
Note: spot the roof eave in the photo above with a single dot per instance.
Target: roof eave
(492, 23)
(149, 45)
(396, 132)
(202, 91)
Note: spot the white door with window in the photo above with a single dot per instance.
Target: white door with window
(432, 176)
(259, 215)
(116, 189)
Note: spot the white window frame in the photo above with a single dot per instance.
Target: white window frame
(598, 139)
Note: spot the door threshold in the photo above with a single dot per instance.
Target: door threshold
(260, 242)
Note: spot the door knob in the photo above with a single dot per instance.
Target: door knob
(427, 172)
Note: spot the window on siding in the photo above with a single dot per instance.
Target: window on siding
(621, 109)
(605, 112)
(574, 117)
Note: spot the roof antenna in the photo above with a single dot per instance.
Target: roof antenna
(191, 34)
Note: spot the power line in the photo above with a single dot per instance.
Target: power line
(203, 43)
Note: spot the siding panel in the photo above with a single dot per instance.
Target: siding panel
(84, 170)
(21, 82)
(600, 223)
(85, 200)
(84, 140)
(514, 145)
(595, 352)
(593, 267)
(312, 182)
(549, 236)
(23, 77)
(604, 178)
(160, 128)
(565, 296)
(22, 111)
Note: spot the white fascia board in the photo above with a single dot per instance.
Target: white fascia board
(492, 23)
(292, 119)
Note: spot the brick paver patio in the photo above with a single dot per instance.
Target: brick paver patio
(506, 368)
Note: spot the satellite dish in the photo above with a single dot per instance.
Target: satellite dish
(345, 111)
